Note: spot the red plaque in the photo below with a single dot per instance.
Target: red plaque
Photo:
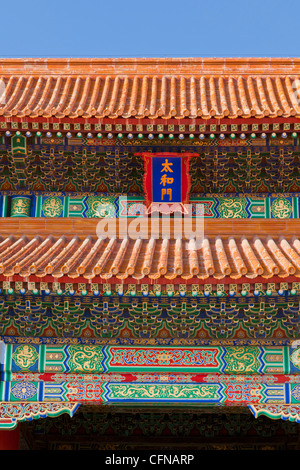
(166, 181)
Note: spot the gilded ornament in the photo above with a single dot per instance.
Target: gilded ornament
(296, 392)
(52, 207)
(295, 358)
(24, 390)
(86, 358)
(20, 207)
(164, 391)
(242, 359)
(25, 356)
(101, 207)
(232, 208)
(281, 208)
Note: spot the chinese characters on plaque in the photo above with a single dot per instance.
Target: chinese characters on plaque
(166, 181)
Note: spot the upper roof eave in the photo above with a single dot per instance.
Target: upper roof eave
(187, 66)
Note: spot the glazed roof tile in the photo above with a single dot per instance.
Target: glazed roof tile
(218, 258)
(150, 88)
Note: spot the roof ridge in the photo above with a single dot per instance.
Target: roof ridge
(162, 66)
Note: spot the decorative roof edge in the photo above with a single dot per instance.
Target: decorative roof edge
(75, 226)
(186, 66)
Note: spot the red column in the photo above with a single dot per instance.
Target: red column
(9, 440)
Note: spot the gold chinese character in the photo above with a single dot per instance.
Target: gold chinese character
(167, 166)
(165, 180)
(166, 191)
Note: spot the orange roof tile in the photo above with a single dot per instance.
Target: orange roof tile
(150, 88)
(218, 258)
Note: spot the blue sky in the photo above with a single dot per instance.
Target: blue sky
(157, 28)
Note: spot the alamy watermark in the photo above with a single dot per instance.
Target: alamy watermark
(173, 224)
(2, 92)
(296, 92)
